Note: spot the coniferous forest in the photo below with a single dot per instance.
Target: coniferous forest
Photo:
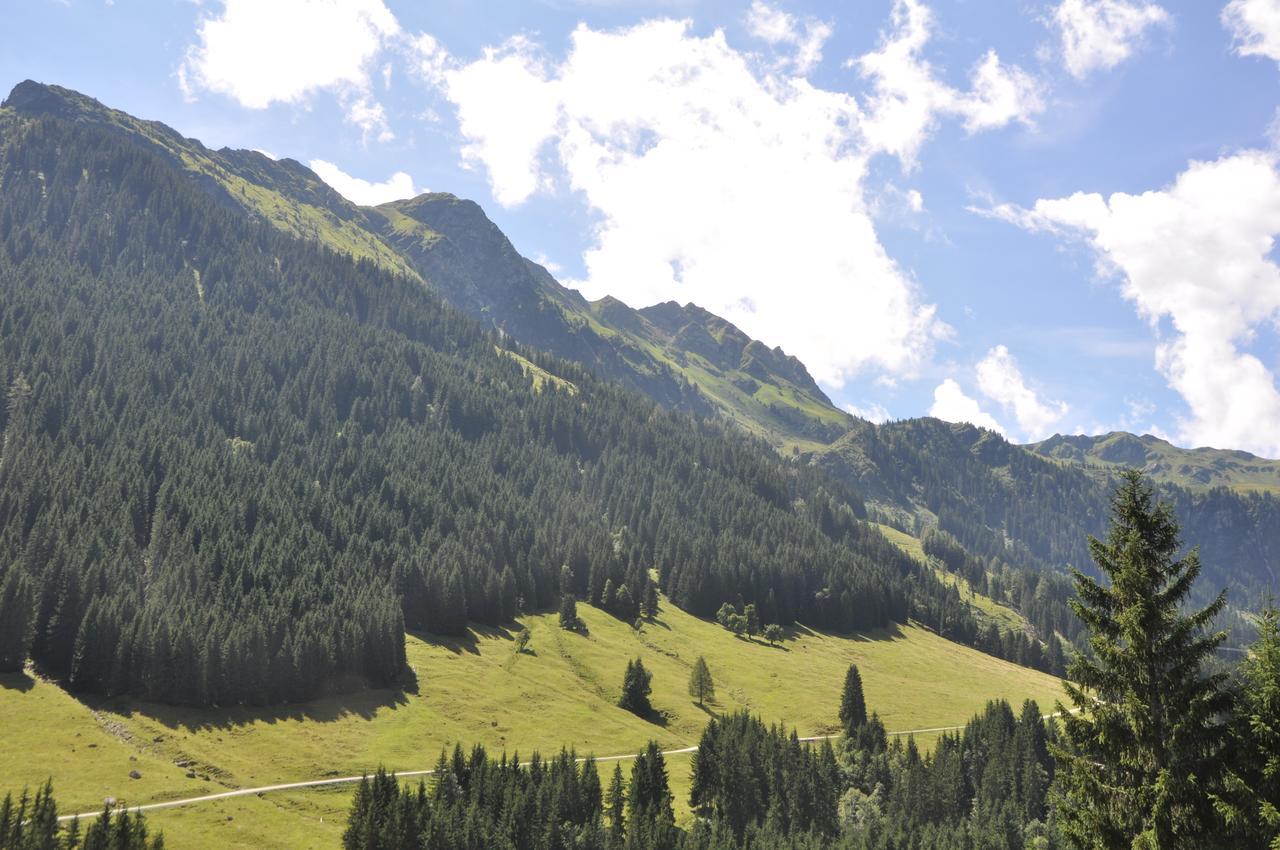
(1155, 752)
(237, 466)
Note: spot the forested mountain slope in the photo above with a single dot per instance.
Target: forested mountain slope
(1016, 507)
(236, 464)
(451, 245)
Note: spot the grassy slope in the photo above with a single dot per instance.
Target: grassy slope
(985, 608)
(477, 690)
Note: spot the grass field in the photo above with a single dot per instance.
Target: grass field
(475, 691)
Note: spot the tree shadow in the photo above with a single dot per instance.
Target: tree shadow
(468, 643)
(20, 681)
(363, 702)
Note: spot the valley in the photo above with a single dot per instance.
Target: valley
(477, 689)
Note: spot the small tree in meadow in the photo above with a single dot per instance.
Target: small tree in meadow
(636, 688)
(701, 687)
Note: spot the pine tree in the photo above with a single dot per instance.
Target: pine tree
(568, 612)
(17, 612)
(701, 687)
(616, 801)
(650, 601)
(1251, 804)
(853, 707)
(752, 618)
(636, 688)
(1140, 757)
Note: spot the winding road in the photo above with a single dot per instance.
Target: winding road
(344, 780)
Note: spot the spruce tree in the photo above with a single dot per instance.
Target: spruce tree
(853, 707)
(616, 801)
(1251, 803)
(1143, 750)
(17, 611)
(701, 687)
(636, 689)
(568, 612)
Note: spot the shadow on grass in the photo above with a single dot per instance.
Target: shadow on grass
(20, 682)
(468, 643)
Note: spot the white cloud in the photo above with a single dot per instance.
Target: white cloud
(508, 109)
(719, 178)
(907, 98)
(284, 51)
(777, 27)
(1197, 254)
(1100, 34)
(1255, 25)
(872, 412)
(1000, 380)
(362, 192)
(951, 404)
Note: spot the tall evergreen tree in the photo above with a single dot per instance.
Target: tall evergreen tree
(1251, 803)
(853, 706)
(17, 612)
(1143, 752)
(701, 687)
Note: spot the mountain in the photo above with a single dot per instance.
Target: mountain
(237, 465)
(1033, 509)
(451, 245)
(664, 351)
(1017, 513)
(1194, 469)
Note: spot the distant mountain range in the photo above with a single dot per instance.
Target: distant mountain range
(1028, 506)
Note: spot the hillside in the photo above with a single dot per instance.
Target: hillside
(292, 456)
(1193, 469)
(478, 689)
(1016, 508)
(451, 245)
(664, 351)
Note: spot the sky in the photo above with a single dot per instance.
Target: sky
(1039, 216)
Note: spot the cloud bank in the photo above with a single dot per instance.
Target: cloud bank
(1196, 260)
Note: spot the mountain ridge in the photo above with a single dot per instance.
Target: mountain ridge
(917, 473)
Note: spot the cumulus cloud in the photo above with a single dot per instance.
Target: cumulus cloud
(284, 51)
(872, 412)
(907, 98)
(1197, 255)
(1000, 380)
(951, 404)
(719, 178)
(362, 192)
(1100, 34)
(1255, 26)
(777, 27)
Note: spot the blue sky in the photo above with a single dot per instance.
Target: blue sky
(1039, 215)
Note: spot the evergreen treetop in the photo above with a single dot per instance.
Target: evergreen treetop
(1143, 749)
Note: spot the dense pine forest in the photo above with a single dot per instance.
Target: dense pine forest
(1156, 752)
(237, 466)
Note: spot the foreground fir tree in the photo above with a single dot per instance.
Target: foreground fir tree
(1251, 802)
(1143, 750)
